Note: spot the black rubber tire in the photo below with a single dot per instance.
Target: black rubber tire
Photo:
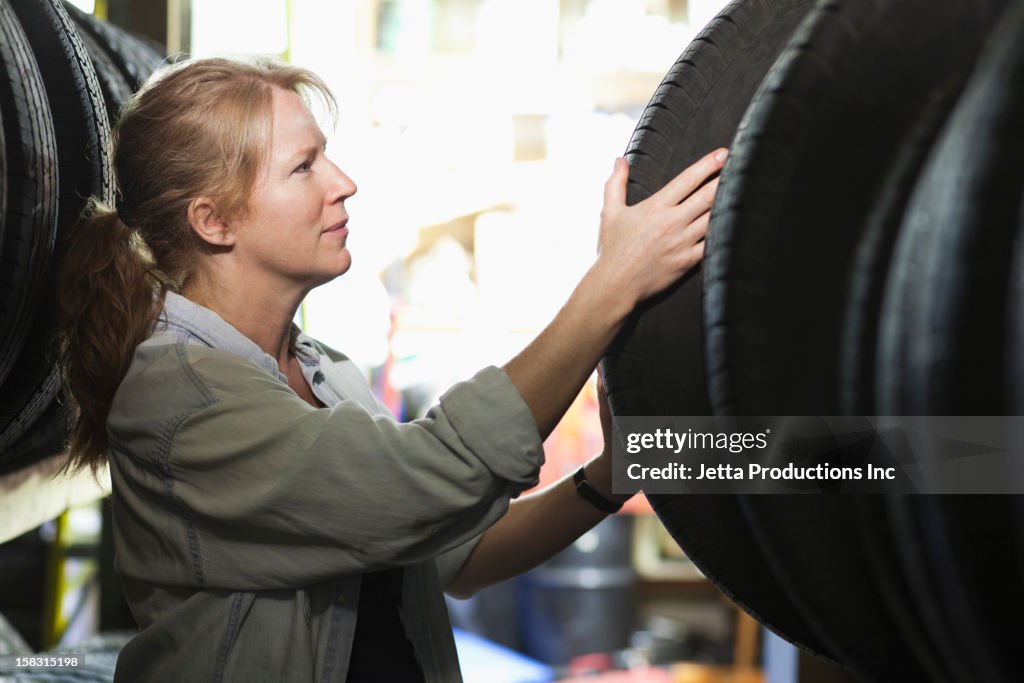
(815, 551)
(1014, 387)
(135, 58)
(113, 85)
(716, 537)
(955, 281)
(83, 152)
(882, 555)
(874, 252)
(944, 325)
(963, 570)
(925, 594)
(82, 129)
(656, 366)
(816, 142)
(35, 392)
(46, 436)
(860, 334)
(1014, 358)
(3, 177)
(30, 195)
(970, 541)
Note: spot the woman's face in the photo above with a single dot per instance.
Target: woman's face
(295, 230)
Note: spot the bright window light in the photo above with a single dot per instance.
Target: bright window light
(239, 27)
(88, 6)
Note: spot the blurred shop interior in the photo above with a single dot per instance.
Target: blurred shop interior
(480, 134)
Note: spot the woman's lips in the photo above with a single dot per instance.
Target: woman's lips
(340, 228)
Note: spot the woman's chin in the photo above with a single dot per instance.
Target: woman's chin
(339, 268)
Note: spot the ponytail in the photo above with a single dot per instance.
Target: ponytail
(109, 298)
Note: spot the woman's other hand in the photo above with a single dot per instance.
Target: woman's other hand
(648, 246)
(540, 524)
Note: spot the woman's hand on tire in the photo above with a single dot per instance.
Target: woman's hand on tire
(642, 249)
(648, 246)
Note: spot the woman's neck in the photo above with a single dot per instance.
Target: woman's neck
(262, 316)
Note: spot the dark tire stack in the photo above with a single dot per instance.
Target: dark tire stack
(864, 258)
(63, 78)
(698, 107)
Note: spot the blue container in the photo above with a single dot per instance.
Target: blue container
(582, 600)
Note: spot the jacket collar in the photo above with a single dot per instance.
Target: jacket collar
(213, 331)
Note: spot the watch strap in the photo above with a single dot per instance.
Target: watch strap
(588, 493)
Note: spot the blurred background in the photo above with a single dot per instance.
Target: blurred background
(480, 133)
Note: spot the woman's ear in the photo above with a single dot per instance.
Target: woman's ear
(208, 223)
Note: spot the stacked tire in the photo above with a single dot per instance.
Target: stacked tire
(865, 257)
(63, 77)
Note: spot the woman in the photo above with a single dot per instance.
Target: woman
(271, 522)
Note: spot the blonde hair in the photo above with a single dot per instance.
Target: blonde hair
(196, 128)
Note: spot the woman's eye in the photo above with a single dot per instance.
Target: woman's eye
(304, 166)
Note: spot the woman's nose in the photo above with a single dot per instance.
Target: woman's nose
(342, 187)
(350, 185)
(345, 186)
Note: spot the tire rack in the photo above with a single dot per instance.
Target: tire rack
(53, 58)
(865, 257)
(84, 68)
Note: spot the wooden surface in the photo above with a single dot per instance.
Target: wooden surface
(33, 495)
(696, 673)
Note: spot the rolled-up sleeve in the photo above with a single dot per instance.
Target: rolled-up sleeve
(275, 493)
(450, 562)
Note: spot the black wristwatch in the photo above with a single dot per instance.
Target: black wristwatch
(590, 494)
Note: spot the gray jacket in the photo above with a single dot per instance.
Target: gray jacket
(244, 517)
